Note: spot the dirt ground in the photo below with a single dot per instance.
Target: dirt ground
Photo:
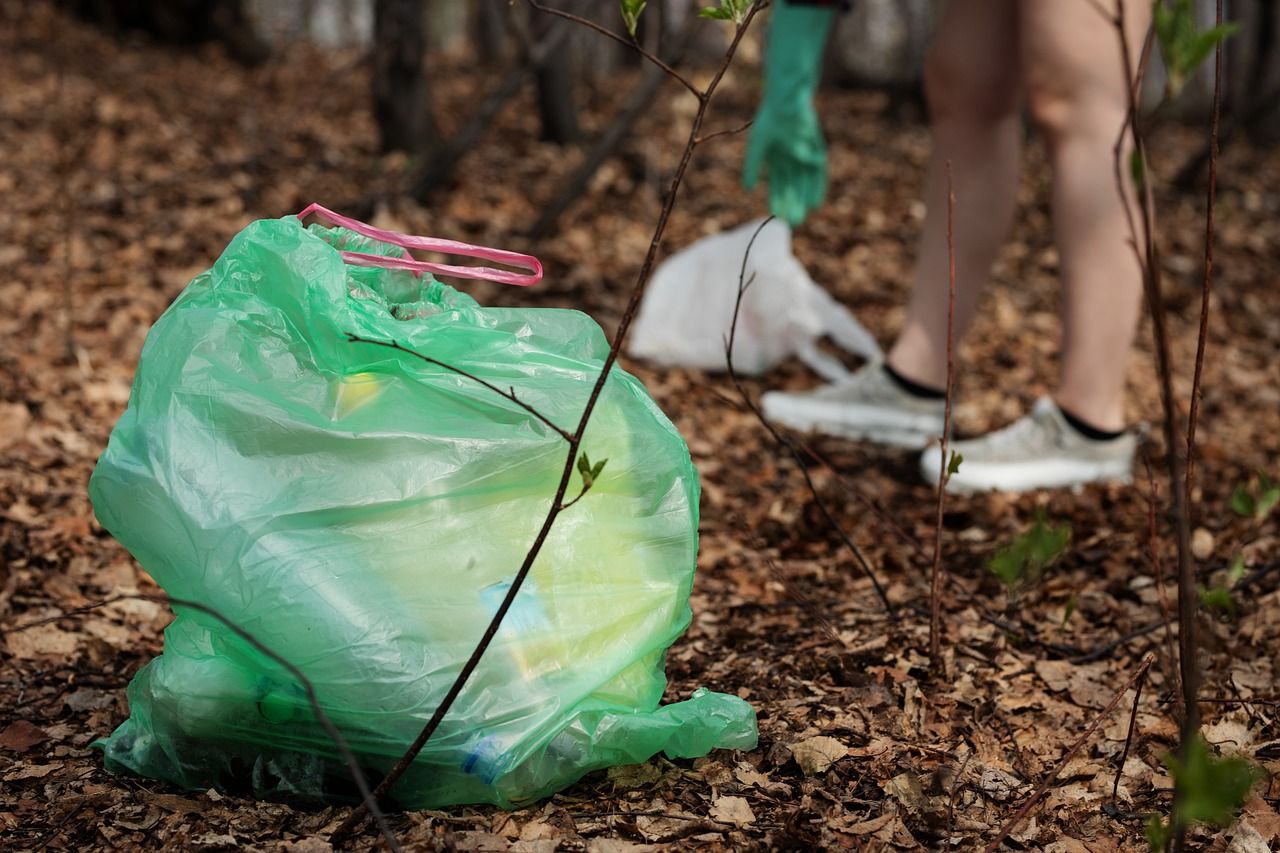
(126, 167)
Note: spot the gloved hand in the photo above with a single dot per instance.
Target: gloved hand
(785, 136)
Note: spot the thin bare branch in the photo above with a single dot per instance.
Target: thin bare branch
(732, 131)
(936, 575)
(1148, 258)
(743, 284)
(633, 45)
(1044, 786)
(1128, 738)
(1207, 282)
(642, 279)
(509, 394)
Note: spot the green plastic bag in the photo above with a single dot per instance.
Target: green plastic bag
(362, 513)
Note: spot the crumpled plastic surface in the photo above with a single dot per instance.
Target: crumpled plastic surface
(362, 512)
(687, 309)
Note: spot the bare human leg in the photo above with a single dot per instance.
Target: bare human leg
(972, 79)
(1076, 94)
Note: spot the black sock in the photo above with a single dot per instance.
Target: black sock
(1088, 430)
(915, 389)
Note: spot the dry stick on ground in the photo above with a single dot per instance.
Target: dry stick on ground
(353, 766)
(557, 502)
(1045, 785)
(1207, 283)
(784, 441)
(935, 577)
(1128, 738)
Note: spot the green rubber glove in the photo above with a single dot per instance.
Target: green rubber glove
(786, 138)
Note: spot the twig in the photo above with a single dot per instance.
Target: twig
(638, 105)
(935, 577)
(1207, 283)
(585, 488)
(1148, 260)
(633, 45)
(732, 131)
(509, 394)
(951, 798)
(1157, 566)
(812, 609)
(353, 765)
(57, 828)
(1045, 785)
(1128, 738)
(784, 441)
(642, 278)
(1107, 648)
(862, 497)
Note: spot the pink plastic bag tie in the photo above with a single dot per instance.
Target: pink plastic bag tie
(433, 244)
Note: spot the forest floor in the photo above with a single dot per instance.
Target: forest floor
(126, 168)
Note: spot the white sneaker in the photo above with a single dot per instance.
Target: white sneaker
(868, 406)
(1039, 451)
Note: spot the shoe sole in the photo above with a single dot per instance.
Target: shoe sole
(856, 423)
(1030, 476)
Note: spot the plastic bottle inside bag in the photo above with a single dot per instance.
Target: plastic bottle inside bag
(525, 652)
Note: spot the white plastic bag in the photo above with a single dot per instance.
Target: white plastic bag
(685, 316)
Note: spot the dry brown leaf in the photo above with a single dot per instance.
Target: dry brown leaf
(733, 810)
(816, 754)
(14, 419)
(905, 788)
(20, 735)
(42, 641)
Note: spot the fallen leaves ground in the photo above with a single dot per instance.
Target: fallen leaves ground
(126, 167)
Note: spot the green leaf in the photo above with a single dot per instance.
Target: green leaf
(728, 10)
(586, 472)
(953, 464)
(1218, 598)
(1029, 554)
(1072, 603)
(1266, 502)
(1183, 46)
(631, 12)
(1213, 789)
(597, 468)
(1242, 503)
(1235, 572)
(1157, 834)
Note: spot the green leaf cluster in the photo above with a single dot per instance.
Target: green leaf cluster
(728, 10)
(1256, 503)
(1220, 597)
(1025, 558)
(631, 12)
(1183, 45)
(590, 473)
(1212, 789)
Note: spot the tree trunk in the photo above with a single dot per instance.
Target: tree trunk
(401, 101)
(556, 106)
(489, 30)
